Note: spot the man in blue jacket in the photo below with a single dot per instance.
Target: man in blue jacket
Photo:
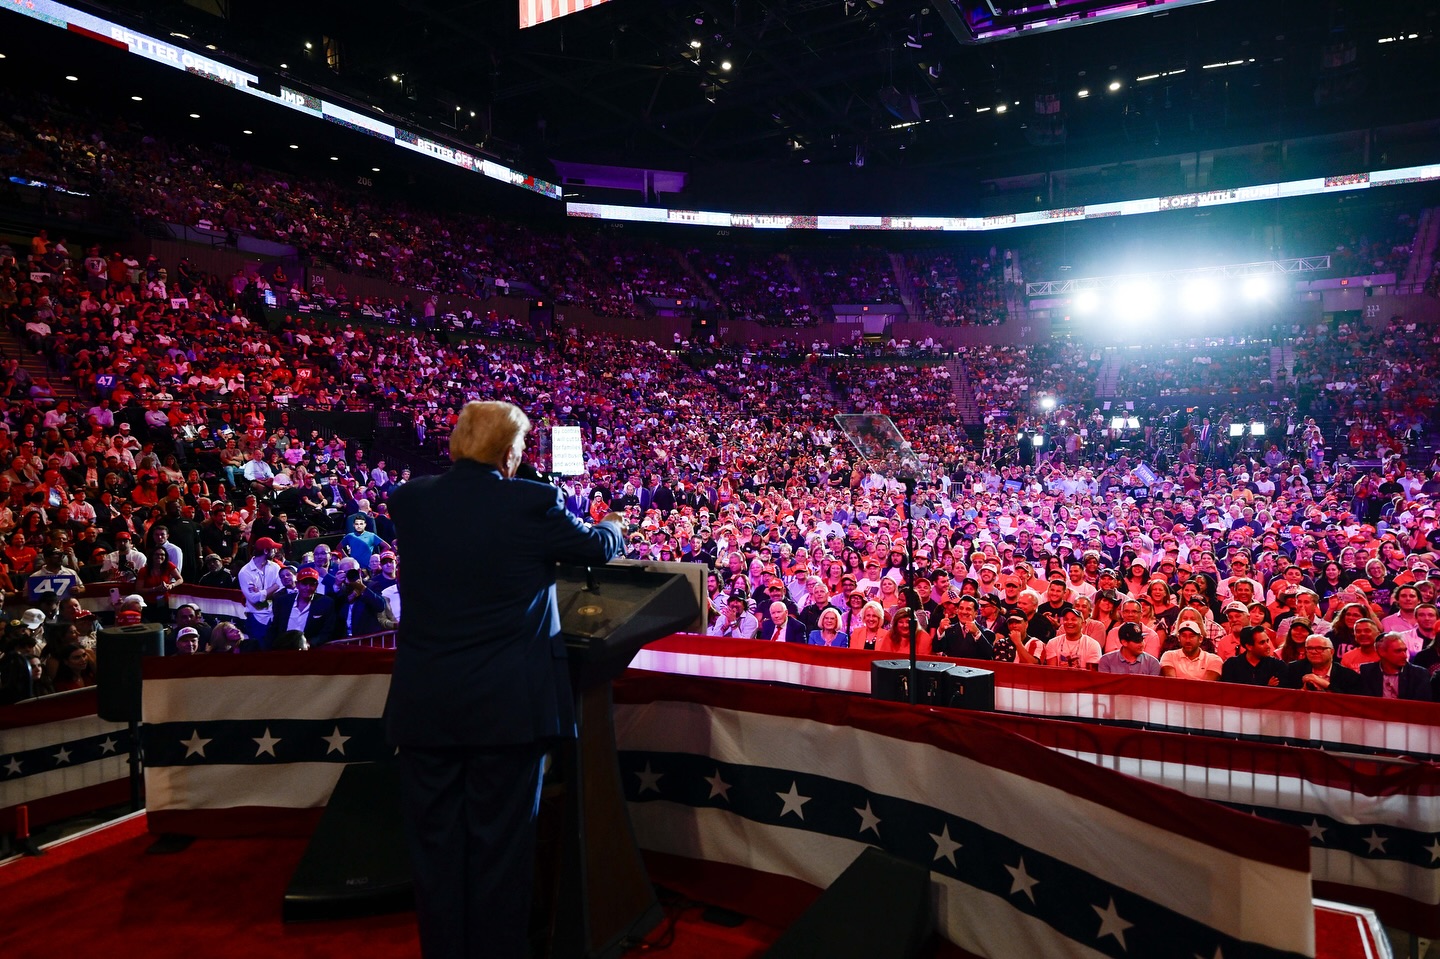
(481, 687)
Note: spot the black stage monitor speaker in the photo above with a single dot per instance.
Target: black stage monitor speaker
(608, 612)
(118, 651)
(878, 908)
(966, 687)
(356, 863)
(890, 679)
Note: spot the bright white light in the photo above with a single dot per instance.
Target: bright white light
(395, 77)
(1114, 85)
(1137, 300)
(1257, 288)
(724, 64)
(309, 45)
(1200, 296)
(1088, 301)
(1001, 108)
(194, 116)
(1083, 94)
(294, 146)
(71, 79)
(1047, 403)
(284, 66)
(137, 98)
(374, 169)
(334, 158)
(694, 44)
(248, 132)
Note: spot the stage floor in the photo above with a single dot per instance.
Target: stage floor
(101, 891)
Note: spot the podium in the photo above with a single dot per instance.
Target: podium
(602, 896)
(599, 896)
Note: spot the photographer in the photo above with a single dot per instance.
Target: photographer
(357, 605)
(125, 563)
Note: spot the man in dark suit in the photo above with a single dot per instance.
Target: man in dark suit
(305, 609)
(1394, 676)
(1318, 671)
(782, 627)
(481, 687)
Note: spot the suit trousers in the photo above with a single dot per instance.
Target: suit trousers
(470, 823)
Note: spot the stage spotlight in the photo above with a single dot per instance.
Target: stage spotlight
(1257, 288)
(1136, 300)
(1047, 403)
(1200, 296)
(1087, 301)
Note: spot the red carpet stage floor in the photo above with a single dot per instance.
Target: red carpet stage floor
(101, 893)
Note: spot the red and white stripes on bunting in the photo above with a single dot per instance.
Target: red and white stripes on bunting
(253, 745)
(58, 759)
(535, 12)
(1356, 722)
(1032, 853)
(1373, 824)
(212, 602)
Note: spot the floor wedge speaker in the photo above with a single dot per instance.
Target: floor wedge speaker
(878, 908)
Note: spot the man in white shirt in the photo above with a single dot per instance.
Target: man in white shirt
(258, 472)
(259, 581)
(1071, 648)
(734, 622)
(1190, 661)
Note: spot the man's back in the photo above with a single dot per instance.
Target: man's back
(479, 658)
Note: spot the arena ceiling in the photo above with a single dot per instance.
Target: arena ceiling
(882, 82)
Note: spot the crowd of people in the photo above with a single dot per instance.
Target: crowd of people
(164, 449)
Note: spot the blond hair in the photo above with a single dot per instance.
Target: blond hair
(486, 431)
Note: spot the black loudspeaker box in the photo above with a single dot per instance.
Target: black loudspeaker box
(890, 680)
(356, 863)
(878, 908)
(118, 651)
(966, 687)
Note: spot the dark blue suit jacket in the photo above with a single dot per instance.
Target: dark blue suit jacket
(1414, 682)
(319, 624)
(479, 658)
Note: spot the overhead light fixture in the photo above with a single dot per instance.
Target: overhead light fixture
(70, 78)
(294, 146)
(1257, 288)
(334, 158)
(247, 132)
(472, 113)
(194, 116)
(1200, 296)
(1083, 94)
(982, 109)
(137, 98)
(284, 66)
(179, 36)
(1001, 108)
(694, 44)
(724, 64)
(395, 77)
(374, 169)
(1114, 85)
(309, 45)
(209, 46)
